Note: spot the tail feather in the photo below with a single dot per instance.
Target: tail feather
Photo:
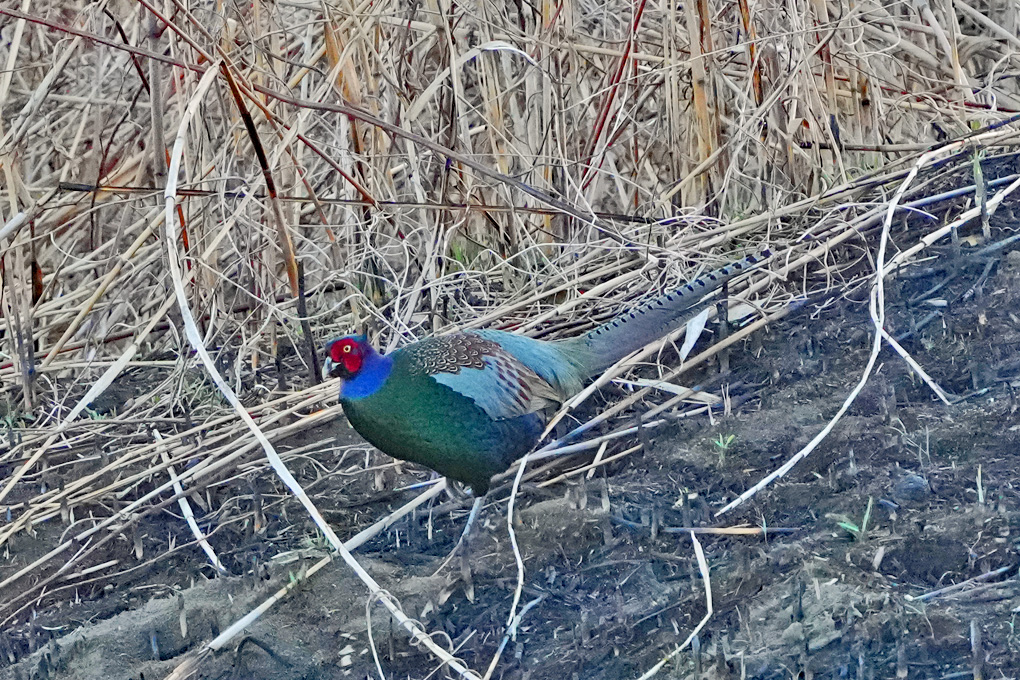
(602, 347)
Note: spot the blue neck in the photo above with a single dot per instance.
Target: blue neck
(369, 379)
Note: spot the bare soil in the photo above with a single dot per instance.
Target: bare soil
(611, 575)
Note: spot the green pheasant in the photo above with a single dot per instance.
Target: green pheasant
(469, 404)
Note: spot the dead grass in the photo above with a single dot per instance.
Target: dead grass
(407, 170)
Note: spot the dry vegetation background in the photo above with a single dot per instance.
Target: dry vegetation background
(409, 168)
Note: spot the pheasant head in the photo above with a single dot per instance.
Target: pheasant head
(362, 369)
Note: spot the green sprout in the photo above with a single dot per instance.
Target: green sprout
(857, 532)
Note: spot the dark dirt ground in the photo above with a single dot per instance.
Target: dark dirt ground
(617, 585)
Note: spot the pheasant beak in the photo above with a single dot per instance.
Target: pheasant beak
(329, 369)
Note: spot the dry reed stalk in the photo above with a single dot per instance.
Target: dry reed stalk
(699, 32)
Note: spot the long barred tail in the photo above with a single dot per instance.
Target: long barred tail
(603, 346)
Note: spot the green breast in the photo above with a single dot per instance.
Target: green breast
(414, 418)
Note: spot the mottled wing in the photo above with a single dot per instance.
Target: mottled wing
(483, 371)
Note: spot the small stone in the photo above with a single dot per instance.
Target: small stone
(794, 633)
(911, 488)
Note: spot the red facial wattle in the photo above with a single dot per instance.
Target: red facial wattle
(348, 354)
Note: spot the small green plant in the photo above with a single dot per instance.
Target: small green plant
(723, 443)
(316, 541)
(458, 253)
(857, 532)
(12, 416)
(94, 414)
